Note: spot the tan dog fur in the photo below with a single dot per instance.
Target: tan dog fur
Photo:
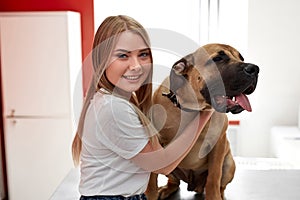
(215, 168)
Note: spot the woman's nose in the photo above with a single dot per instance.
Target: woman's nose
(134, 64)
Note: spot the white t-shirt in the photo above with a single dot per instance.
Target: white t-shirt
(112, 134)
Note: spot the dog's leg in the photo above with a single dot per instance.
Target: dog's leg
(152, 189)
(215, 165)
(228, 172)
(201, 181)
(171, 187)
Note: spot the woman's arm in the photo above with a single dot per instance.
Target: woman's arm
(161, 160)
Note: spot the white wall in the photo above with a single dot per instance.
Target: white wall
(273, 44)
(233, 24)
(266, 32)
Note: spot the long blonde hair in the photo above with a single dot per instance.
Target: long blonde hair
(104, 42)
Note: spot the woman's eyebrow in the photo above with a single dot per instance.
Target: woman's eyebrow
(145, 49)
(127, 51)
(123, 50)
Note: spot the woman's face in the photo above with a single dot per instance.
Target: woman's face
(130, 63)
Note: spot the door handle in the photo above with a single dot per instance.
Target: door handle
(12, 113)
(12, 116)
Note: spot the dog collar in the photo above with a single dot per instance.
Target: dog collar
(172, 96)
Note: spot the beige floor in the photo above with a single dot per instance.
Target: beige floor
(255, 179)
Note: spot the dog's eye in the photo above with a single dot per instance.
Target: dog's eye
(217, 59)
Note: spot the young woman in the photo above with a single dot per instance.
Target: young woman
(116, 145)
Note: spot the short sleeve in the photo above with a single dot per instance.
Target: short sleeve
(119, 127)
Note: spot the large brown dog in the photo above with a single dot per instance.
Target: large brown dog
(212, 78)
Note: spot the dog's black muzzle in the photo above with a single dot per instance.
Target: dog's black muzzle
(230, 93)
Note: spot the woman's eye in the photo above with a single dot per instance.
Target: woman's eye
(144, 54)
(122, 56)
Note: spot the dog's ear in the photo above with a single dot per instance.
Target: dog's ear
(241, 57)
(177, 78)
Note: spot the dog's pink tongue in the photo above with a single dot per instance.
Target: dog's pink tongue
(243, 101)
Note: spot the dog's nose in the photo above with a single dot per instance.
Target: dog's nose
(251, 69)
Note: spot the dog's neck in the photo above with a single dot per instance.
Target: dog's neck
(172, 96)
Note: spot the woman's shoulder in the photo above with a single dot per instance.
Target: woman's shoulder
(111, 102)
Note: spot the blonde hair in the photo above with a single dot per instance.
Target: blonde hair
(104, 42)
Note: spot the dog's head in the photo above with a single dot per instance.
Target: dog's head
(217, 76)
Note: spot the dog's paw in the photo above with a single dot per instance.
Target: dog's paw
(152, 196)
(213, 197)
(167, 190)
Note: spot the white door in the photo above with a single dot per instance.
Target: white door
(38, 156)
(39, 53)
(34, 61)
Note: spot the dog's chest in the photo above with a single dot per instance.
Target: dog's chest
(197, 158)
(176, 122)
(211, 134)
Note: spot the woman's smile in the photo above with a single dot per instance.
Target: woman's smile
(132, 77)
